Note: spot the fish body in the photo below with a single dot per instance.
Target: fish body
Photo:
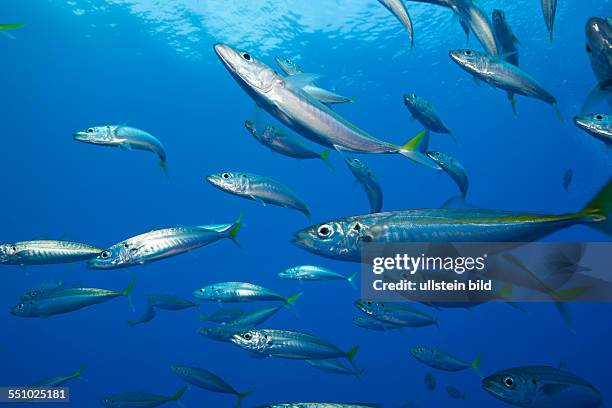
(441, 360)
(139, 399)
(342, 238)
(258, 188)
(42, 252)
(67, 300)
(505, 37)
(223, 315)
(542, 387)
(397, 314)
(430, 381)
(501, 74)
(299, 111)
(597, 125)
(163, 243)
(58, 381)
(41, 290)
(125, 137)
(240, 292)
(370, 323)
(398, 9)
(549, 10)
(334, 366)
(455, 392)
(255, 318)
(599, 48)
(423, 111)
(453, 168)
(284, 143)
(368, 181)
(289, 344)
(207, 380)
(314, 273)
(169, 302)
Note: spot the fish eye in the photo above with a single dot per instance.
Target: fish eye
(246, 56)
(90, 130)
(356, 161)
(468, 52)
(225, 175)
(287, 61)
(126, 245)
(533, 381)
(248, 336)
(105, 254)
(599, 117)
(588, 49)
(414, 96)
(421, 350)
(509, 382)
(20, 306)
(369, 303)
(357, 226)
(324, 231)
(33, 293)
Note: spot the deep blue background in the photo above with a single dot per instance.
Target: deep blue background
(83, 63)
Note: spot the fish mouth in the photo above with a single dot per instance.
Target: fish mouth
(456, 56)
(214, 180)
(223, 51)
(582, 122)
(301, 239)
(79, 136)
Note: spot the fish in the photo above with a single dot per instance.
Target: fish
(430, 381)
(597, 125)
(315, 273)
(334, 366)
(169, 302)
(139, 399)
(441, 360)
(322, 95)
(455, 392)
(147, 316)
(258, 188)
(453, 168)
(222, 333)
(599, 50)
(223, 315)
(343, 238)
(45, 252)
(542, 387)
(290, 345)
(163, 243)
(285, 143)
(284, 99)
(241, 292)
(67, 300)
(125, 137)
(549, 9)
(366, 178)
(318, 405)
(42, 290)
(398, 9)
(507, 42)
(567, 179)
(501, 74)
(370, 323)
(395, 313)
(255, 318)
(58, 381)
(422, 110)
(10, 26)
(207, 380)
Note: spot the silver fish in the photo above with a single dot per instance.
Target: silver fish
(67, 300)
(441, 360)
(549, 9)
(368, 181)
(597, 125)
(315, 273)
(542, 387)
(258, 188)
(147, 316)
(125, 137)
(423, 111)
(42, 252)
(398, 314)
(139, 399)
(58, 381)
(599, 49)
(299, 111)
(334, 366)
(290, 344)
(163, 243)
(209, 381)
(370, 323)
(241, 292)
(169, 302)
(398, 9)
(320, 94)
(285, 143)
(453, 168)
(501, 74)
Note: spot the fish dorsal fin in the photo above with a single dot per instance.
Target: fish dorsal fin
(419, 143)
(301, 80)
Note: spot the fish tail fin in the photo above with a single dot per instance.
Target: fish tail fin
(164, 167)
(353, 99)
(128, 291)
(325, 157)
(476, 363)
(599, 208)
(351, 280)
(203, 318)
(416, 148)
(78, 373)
(242, 395)
(233, 232)
(558, 112)
(569, 295)
(350, 355)
(551, 37)
(179, 394)
(564, 311)
(512, 100)
(290, 301)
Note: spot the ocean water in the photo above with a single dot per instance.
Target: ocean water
(150, 64)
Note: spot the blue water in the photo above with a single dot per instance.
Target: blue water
(150, 64)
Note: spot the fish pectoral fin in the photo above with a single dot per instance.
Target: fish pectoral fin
(259, 200)
(125, 146)
(299, 81)
(552, 389)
